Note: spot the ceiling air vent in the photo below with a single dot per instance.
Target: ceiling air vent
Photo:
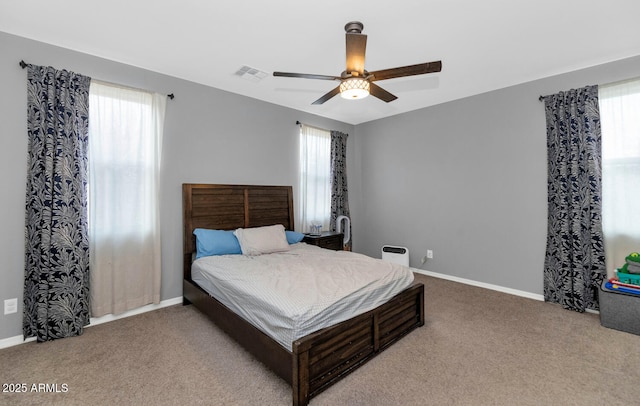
(252, 74)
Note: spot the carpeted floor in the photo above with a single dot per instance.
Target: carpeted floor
(478, 347)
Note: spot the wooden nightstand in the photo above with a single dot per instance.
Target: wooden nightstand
(328, 239)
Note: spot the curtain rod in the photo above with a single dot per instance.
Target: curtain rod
(300, 124)
(23, 65)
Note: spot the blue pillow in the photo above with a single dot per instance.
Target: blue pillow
(215, 242)
(294, 237)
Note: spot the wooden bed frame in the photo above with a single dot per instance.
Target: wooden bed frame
(319, 359)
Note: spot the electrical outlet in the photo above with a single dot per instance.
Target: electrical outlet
(10, 306)
(430, 254)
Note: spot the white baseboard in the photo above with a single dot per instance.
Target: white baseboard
(110, 317)
(15, 340)
(498, 288)
(11, 341)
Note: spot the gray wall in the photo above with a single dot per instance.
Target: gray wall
(210, 136)
(467, 179)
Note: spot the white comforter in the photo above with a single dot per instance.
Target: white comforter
(290, 294)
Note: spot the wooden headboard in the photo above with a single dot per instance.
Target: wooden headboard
(227, 207)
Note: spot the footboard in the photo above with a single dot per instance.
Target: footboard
(322, 358)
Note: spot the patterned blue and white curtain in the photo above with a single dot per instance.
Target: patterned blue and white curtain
(56, 290)
(339, 191)
(574, 265)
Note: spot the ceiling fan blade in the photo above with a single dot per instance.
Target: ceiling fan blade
(327, 96)
(356, 48)
(305, 76)
(411, 70)
(380, 93)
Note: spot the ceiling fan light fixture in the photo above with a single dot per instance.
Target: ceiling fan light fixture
(355, 81)
(354, 88)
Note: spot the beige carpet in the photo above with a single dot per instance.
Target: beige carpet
(478, 347)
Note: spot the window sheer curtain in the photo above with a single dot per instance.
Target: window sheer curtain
(56, 285)
(620, 123)
(125, 140)
(314, 196)
(574, 264)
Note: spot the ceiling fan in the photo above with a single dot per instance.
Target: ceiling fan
(355, 81)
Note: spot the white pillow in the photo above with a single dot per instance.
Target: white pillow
(262, 240)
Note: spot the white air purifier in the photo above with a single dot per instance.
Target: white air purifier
(398, 255)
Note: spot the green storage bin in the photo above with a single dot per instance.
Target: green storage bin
(628, 277)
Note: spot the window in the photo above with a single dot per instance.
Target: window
(315, 178)
(125, 138)
(620, 124)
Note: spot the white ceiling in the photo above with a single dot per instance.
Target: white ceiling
(483, 45)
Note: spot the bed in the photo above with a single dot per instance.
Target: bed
(321, 358)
